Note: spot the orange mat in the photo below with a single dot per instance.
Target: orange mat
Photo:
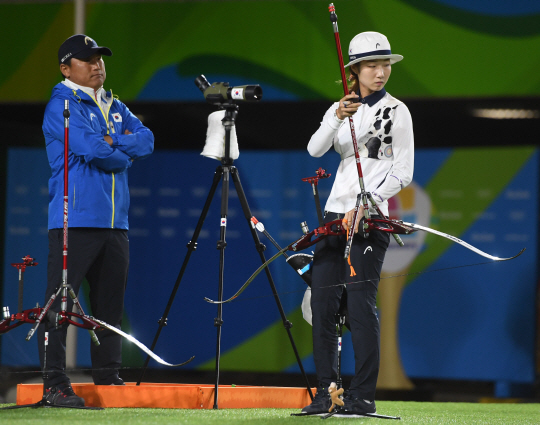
(177, 396)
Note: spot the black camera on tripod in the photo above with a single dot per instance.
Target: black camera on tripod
(219, 93)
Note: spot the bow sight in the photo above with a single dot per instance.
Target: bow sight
(219, 93)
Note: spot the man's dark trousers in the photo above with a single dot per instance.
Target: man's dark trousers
(102, 257)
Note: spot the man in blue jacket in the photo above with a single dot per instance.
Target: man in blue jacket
(105, 139)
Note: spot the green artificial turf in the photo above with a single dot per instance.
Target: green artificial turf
(410, 412)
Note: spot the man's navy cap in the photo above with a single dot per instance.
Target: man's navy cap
(80, 46)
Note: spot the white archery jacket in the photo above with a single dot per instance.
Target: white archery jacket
(385, 139)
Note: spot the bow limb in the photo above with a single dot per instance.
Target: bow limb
(253, 276)
(138, 344)
(459, 241)
(396, 226)
(332, 228)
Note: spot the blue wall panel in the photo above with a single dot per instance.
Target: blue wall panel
(466, 323)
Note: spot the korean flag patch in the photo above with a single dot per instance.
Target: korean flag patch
(117, 117)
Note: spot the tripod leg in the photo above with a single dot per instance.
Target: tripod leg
(43, 313)
(218, 321)
(260, 248)
(395, 235)
(191, 246)
(77, 304)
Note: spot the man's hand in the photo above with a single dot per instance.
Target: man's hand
(347, 220)
(128, 132)
(109, 139)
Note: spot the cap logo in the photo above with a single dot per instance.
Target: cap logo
(377, 46)
(65, 57)
(88, 39)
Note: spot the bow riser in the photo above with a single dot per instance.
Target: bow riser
(392, 226)
(323, 231)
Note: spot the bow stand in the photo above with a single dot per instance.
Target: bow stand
(64, 316)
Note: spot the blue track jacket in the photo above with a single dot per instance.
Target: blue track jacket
(98, 173)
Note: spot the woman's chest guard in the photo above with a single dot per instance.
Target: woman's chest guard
(377, 142)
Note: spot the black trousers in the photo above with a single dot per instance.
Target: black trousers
(102, 257)
(330, 273)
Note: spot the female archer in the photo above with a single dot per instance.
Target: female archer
(384, 132)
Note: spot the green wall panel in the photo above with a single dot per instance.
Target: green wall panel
(288, 44)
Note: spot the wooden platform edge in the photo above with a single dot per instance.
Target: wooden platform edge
(177, 396)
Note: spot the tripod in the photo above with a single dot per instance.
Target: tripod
(223, 173)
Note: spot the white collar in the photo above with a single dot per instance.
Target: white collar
(100, 94)
(88, 90)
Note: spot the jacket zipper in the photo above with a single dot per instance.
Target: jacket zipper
(113, 180)
(112, 197)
